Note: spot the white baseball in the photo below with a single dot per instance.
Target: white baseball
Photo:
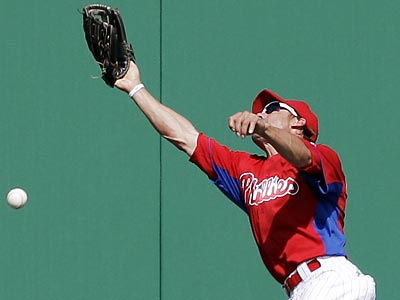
(17, 198)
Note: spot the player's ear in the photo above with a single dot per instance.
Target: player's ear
(299, 122)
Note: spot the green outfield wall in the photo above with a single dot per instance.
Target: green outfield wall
(114, 213)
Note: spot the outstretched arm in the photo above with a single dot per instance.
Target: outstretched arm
(170, 125)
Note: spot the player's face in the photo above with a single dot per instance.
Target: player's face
(277, 115)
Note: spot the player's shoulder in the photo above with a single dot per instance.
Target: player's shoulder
(318, 146)
(326, 151)
(324, 147)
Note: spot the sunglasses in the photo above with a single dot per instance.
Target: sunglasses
(277, 106)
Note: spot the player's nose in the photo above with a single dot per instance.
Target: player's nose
(261, 115)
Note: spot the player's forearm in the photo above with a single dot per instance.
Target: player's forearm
(290, 146)
(170, 125)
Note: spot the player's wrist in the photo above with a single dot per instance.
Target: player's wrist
(136, 88)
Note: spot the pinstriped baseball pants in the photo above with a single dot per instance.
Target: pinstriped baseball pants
(336, 279)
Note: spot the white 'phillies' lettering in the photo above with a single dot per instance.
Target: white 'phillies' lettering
(268, 189)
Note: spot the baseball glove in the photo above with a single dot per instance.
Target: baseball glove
(106, 39)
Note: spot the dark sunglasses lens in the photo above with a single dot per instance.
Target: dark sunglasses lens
(272, 107)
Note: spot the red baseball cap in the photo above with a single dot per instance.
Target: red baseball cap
(302, 108)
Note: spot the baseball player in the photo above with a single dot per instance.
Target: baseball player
(294, 195)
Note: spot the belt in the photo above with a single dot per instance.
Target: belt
(294, 279)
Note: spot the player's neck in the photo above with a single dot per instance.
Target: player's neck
(269, 150)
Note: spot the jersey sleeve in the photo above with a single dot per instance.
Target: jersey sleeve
(220, 164)
(325, 173)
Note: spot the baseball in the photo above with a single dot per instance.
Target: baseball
(17, 198)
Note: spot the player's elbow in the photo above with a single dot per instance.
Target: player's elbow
(186, 143)
(303, 160)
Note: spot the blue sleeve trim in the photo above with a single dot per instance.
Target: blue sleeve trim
(327, 214)
(227, 184)
(230, 187)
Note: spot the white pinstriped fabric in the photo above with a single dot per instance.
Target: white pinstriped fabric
(336, 279)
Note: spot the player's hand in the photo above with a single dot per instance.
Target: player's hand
(130, 80)
(243, 123)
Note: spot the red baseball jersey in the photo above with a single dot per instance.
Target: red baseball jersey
(295, 214)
